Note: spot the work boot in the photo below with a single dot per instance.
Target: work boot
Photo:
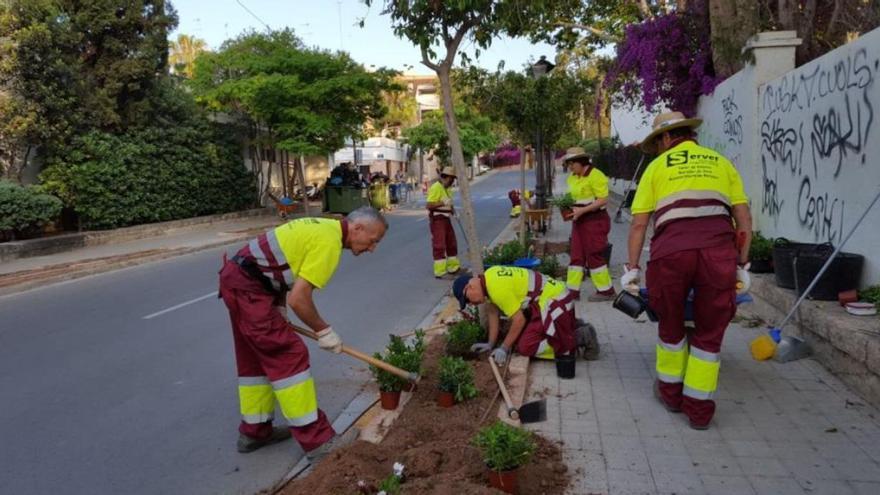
(665, 404)
(587, 341)
(698, 426)
(336, 442)
(248, 444)
(602, 296)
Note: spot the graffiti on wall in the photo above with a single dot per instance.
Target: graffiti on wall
(814, 124)
(732, 119)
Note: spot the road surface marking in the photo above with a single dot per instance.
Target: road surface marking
(172, 308)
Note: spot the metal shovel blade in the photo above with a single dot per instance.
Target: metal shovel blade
(791, 349)
(533, 412)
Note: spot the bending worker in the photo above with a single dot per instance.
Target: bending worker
(588, 187)
(440, 211)
(540, 308)
(702, 231)
(287, 264)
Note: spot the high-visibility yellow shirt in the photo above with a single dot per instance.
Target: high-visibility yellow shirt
(437, 193)
(586, 189)
(312, 248)
(508, 288)
(688, 168)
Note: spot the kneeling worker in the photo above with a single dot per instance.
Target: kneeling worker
(540, 308)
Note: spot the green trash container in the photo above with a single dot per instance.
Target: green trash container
(379, 195)
(343, 199)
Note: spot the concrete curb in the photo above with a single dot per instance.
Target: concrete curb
(50, 245)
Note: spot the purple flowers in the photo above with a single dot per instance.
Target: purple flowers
(666, 59)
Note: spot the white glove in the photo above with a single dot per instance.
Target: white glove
(743, 279)
(481, 347)
(500, 355)
(631, 279)
(329, 341)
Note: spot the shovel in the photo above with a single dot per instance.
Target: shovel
(406, 375)
(531, 412)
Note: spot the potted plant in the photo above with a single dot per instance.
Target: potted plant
(404, 356)
(408, 356)
(551, 267)
(461, 335)
(504, 449)
(504, 254)
(565, 203)
(761, 254)
(456, 381)
(390, 384)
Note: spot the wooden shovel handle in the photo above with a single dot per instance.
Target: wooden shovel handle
(406, 375)
(511, 411)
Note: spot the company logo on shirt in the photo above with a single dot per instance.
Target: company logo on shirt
(677, 158)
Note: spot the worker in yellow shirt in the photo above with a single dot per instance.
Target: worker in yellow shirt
(286, 265)
(517, 200)
(440, 211)
(540, 308)
(702, 232)
(591, 224)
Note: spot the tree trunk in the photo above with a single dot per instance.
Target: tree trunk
(786, 10)
(470, 226)
(806, 28)
(522, 196)
(302, 180)
(421, 169)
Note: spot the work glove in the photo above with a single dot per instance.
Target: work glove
(481, 347)
(500, 355)
(329, 340)
(631, 279)
(743, 280)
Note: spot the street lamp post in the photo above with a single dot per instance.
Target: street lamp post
(539, 70)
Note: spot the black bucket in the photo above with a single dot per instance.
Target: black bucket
(784, 253)
(565, 366)
(630, 305)
(843, 274)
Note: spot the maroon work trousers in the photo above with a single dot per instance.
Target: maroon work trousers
(589, 238)
(711, 273)
(560, 317)
(443, 244)
(265, 346)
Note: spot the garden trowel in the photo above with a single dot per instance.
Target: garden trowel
(531, 412)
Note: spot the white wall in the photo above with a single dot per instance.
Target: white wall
(807, 144)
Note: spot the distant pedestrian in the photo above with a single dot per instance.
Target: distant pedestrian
(702, 232)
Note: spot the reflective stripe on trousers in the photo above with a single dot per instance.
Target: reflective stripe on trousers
(671, 361)
(701, 377)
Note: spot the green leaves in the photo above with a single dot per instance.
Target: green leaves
(457, 376)
(504, 447)
(461, 335)
(24, 209)
(399, 353)
(475, 131)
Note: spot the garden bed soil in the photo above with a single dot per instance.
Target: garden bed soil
(434, 445)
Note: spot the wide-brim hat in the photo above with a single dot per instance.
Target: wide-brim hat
(450, 171)
(666, 122)
(575, 153)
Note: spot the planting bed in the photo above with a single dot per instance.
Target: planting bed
(434, 445)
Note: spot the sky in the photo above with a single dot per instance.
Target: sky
(332, 25)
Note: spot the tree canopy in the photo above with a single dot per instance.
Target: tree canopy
(477, 134)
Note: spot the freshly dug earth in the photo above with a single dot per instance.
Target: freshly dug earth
(434, 445)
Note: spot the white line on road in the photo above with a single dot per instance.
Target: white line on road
(187, 303)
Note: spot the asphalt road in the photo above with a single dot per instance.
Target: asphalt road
(97, 398)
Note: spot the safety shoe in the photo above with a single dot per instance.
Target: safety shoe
(698, 426)
(248, 444)
(602, 296)
(587, 341)
(336, 442)
(665, 404)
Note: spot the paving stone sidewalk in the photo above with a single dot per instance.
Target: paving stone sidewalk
(779, 429)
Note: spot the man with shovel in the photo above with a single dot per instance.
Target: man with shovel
(440, 211)
(285, 265)
(702, 231)
(540, 308)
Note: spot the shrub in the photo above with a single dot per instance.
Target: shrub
(871, 294)
(504, 254)
(402, 355)
(461, 335)
(24, 209)
(549, 266)
(504, 447)
(457, 376)
(761, 247)
(564, 202)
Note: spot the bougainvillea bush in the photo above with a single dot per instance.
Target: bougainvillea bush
(666, 59)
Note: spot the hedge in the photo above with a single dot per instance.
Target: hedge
(24, 210)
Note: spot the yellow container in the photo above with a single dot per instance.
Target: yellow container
(762, 348)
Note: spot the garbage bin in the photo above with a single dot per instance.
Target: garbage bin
(344, 199)
(379, 195)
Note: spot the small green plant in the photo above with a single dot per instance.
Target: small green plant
(564, 202)
(402, 355)
(871, 294)
(549, 266)
(504, 254)
(457, 376)
(390, 485)
(761, 247)
(24, 210)
(504, 447)
(461, 335)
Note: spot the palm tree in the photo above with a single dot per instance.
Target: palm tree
(183, 54)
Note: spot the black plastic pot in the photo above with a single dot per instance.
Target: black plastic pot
(784, 252)
(843, 274)
(565, 366)
(628, 304)
(761, 266)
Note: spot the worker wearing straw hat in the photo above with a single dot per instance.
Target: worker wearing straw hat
(702, 231)
(440, 212)
(588, 187)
